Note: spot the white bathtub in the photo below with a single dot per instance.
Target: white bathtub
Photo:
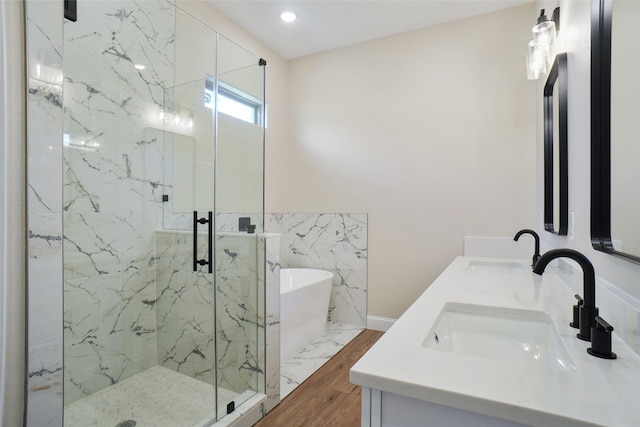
(304, 307)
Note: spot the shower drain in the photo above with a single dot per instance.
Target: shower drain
(126, 423)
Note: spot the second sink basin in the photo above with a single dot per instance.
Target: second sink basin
(497, 266)
(499, 333)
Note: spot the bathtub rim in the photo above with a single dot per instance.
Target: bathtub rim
(313, 276)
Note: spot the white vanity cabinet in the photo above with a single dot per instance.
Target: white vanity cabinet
(407, 382)
(383, 409)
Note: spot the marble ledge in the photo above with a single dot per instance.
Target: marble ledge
(221, 233)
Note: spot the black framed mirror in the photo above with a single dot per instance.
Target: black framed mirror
(615, 128)
(556, 175)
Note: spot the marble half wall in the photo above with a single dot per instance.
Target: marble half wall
(269, 277)
(332, 242)
(245, 322)
(184, 308)
(237, 310)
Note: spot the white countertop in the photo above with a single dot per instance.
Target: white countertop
(598, 392)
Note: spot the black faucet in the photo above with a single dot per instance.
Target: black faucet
(536, 254)
(588, 310)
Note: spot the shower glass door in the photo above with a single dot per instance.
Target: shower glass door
(239, 220)
(149, 335)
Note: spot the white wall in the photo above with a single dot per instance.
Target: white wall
(15, 238)
(575, 39)
(430, 132)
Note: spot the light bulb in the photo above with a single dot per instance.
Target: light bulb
(288, 16)
(537, 60)
(544, 37)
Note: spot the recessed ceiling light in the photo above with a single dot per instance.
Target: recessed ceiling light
(288, 16)
(140, 66)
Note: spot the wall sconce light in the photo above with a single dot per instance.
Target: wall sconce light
(541, 49)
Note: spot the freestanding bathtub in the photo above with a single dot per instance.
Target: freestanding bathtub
(304, 307)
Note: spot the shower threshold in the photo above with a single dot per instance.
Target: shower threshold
(156, 397)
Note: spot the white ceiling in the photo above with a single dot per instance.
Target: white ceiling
(329, 24)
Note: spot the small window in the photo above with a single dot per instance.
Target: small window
(234, 102)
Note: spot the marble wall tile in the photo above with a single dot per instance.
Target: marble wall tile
(224, 222)
(185, 315)
(237, 311)
(44, 379)
(277, 223)
(44, 40)
(110, 331)
(45, 278)
(44, 385)
(44, 105)
(261, 311)
(184, 308)
(112, 198)
(270, 269)
(333, 242)
(44, 208)
(228, 222)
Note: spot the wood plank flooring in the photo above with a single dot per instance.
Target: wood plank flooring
(326, 398)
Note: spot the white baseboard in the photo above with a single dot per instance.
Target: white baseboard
(379, 323)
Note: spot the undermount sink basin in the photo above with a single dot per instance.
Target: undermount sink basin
(497, 266)
(505, 334)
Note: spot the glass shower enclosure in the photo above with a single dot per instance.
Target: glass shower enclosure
(163, 200)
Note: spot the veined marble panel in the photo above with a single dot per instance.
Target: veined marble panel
(44, 41)
(184, 307)
(269, 302)
(225, 222)
(45, 152)
(44, 207)
(110, 329)
(112, 188)
(333, 242)
(44, 385)
(229, 222)
(185, 310)
(45, 278)
(238, 362)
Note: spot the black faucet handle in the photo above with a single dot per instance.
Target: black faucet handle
(601, 339)
(602, 325)
(576, 312)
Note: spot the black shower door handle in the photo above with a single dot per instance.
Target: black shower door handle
(203, 261)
